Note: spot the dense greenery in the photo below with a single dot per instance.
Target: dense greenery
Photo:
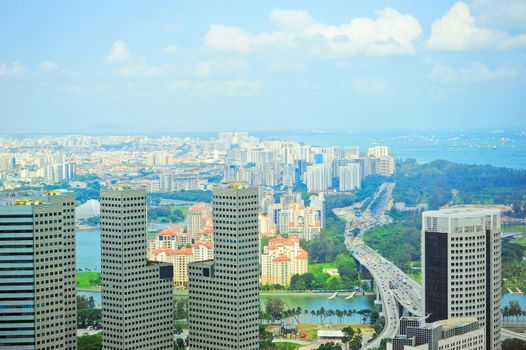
(90, 342)
(329, 243)
(316, 279)
(330, 346)
(513, 265)
(166, 213)
(441, 182)
(190, 196)
(87, 314)
(399, 241)
(513, 344)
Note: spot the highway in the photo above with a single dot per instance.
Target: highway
(394, 285)
(392, 282)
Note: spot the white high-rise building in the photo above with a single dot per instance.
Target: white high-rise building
(461, 256)
(318, 178)
(378, 151)
(137, 300)
(223, 299)
(350, 177)
(38, 303)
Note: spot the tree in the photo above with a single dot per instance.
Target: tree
(265, 339)
(275, 307)
(510, 344)
(180, 344)
(90, 342)
(348, 334)
(330, 346)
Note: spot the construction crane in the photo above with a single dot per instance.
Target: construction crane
(302, 332)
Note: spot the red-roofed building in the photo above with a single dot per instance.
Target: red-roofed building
(173, 245)
(299, 220)
(281, 259)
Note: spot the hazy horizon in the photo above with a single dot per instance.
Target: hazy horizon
(194, 66)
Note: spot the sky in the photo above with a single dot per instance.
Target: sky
(175, 66)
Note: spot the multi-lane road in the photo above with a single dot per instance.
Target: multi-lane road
(392, 283)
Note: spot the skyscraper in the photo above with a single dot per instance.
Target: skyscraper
(38, 307)
(461, 253)
(137, 301)
(350, 177)
(224, 292)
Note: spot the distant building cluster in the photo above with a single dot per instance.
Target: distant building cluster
(174, 164)
(180, 245)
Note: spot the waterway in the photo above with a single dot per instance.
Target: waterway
(88, 258)
(308, 302)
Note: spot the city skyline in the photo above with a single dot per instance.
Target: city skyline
(176, 67)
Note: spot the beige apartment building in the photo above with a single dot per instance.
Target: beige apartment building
(281, 259)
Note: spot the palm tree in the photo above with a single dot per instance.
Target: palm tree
(340, 314)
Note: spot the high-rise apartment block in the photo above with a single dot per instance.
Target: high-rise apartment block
(318, 178)
(350, 177)
(461, 255)
(224, 292)
(137, 300)
(38, 305)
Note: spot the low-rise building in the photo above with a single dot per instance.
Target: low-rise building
(462, 333)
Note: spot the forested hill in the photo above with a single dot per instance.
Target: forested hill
(441, 182)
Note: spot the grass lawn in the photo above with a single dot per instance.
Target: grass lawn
(318, 268)
(286, 346)
(521, 241)
(87, 279)
(514, 228)
(312, 329)
(417, 276)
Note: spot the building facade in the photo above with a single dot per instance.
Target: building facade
(461, 256)
(350, 177)
(223, 295)
(452, 334)
(38, 305)
(137, 300)
(281, 259)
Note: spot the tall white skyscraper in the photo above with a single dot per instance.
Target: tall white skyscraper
(318, 178)
(461, 255)
(350, 177)
(38, 305)
(137, 300)
(223, 295)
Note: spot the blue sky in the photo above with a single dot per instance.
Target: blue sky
(240, 65)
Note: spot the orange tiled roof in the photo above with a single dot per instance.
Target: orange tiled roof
(281, 258)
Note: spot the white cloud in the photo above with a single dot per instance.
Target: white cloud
(475, 72)
(119, 53)
(390, 33)
(145, 70)
(459, 30)
(232, 88)
(48, 66)
(216, 67)
(502, 13)
(13, 69)
(172, 49)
